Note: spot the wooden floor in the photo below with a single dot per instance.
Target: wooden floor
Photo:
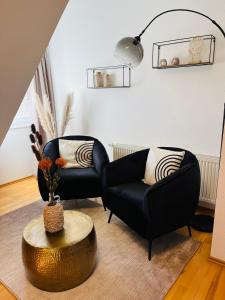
(13, 196)
(201, 279)
(18, 194)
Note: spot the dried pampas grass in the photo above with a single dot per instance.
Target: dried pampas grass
(67, 114)
(45, 116)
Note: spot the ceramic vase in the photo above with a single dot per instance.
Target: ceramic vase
(163, 62)
(107, 80)
(99, 79)
(175, 61)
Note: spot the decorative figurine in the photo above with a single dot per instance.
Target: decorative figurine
(195, 49)
(163, 62)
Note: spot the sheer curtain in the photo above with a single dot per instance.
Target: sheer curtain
(43, 86)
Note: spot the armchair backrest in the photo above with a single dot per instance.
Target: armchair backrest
(140, 158)
(55, 142)
(100, 157)
(188, 157)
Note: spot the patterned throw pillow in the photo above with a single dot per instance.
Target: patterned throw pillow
(78, 154)
(161, 163)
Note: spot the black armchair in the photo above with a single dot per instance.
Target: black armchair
(76, 183)
(152, 210)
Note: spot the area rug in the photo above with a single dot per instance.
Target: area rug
(122, 271)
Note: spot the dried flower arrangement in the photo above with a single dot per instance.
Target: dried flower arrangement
(45, 164)
(46, 116)
(67, 114)
(47, 119)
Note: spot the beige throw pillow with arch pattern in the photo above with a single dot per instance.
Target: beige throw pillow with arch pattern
(78, 154)
(161, 163)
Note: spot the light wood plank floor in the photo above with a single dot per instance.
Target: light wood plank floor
(17, 194)
(200, 280)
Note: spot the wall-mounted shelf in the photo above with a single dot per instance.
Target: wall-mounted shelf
(180, 48)
(109, 77)
(183, 65)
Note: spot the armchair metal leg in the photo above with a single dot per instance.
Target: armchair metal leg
(189, 230)
(110, 216)
(149, 250)
(104, 205)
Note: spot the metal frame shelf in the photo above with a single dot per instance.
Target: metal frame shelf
(157, 46)
(124, 72)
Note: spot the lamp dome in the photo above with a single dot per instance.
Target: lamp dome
(129, 51)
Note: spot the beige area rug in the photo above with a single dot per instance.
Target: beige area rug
(122, 271)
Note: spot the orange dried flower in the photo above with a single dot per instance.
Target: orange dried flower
(45, 164)
(60, 162)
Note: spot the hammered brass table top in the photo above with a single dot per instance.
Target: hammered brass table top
(76, 227)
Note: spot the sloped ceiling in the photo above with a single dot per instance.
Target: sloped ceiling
(26, 27)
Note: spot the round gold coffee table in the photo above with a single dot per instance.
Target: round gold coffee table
(59, 261)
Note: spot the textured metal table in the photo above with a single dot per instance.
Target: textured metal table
(59, 261)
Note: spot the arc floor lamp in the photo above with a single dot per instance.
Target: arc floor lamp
(129, 50)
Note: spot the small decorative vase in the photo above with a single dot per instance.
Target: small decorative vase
(99, 79)
(53, 215)
(163, 62)
(175, 61)
(107, 80)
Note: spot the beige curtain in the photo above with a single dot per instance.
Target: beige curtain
(43, 86)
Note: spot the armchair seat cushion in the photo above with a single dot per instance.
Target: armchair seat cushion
(79, 183)
(131, 193)
(73, 174)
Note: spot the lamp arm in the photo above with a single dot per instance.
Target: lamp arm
(180, 9)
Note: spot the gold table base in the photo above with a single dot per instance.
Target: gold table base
(59, 261)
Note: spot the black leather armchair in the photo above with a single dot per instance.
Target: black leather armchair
(76, 183)
(151, 210)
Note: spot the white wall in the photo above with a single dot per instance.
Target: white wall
(179, 107)
(16, 158)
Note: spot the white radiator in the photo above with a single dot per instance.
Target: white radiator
(209, 166)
